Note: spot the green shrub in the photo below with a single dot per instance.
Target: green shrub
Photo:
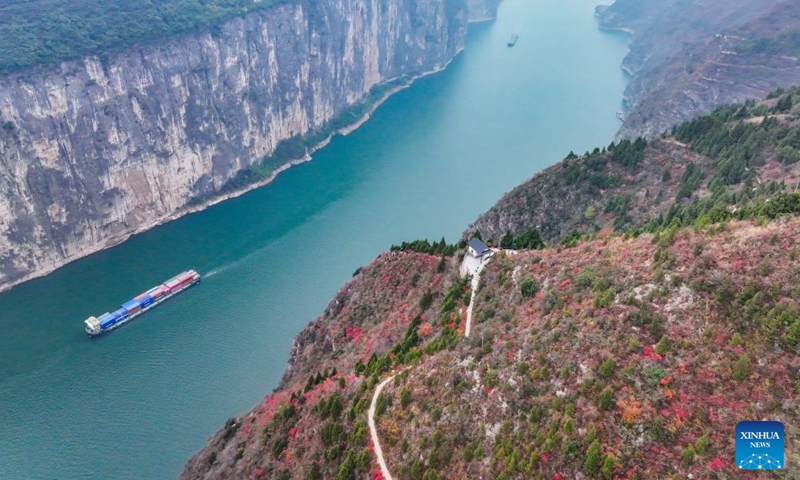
(688, 455)
(332, 433)
(602, 299)
(528, 287)
(701, 444)
(741, 368)
(654, 373)
(606, 400)
(606, 368)
(608, 467)
(405, 397)
(792, 336)
(662, 346)
(383, 403)
(593, 458)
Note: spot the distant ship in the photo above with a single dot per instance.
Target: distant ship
(513, 40)
(144, 302)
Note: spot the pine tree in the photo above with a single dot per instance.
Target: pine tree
(508, 240)
(530, 239)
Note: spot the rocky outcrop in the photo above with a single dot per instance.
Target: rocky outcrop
(688, 57)
(100, 148)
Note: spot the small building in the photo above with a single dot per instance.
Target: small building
(477, 248)
(477, 254)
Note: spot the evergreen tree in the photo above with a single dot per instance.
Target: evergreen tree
(784, 104)
(529, 239)
(508, 240)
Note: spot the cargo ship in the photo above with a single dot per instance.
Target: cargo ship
(141, 303)
(513, 40)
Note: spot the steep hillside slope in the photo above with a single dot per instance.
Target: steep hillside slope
(660, 29)
(96, 149)
(390, 302)
(626, 359)
(689, 57)
(617, 358)
(725, 158)
(629, 350)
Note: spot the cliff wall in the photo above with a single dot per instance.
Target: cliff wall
(99, 148)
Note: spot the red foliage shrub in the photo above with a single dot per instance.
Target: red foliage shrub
(649, 353)
(352, 333)
(716, 464)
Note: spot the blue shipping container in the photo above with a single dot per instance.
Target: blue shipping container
(120, 314)
(109, 322)
(147, 300)
(105, 317)
(130, 305)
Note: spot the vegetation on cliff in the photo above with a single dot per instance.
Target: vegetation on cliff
(631, 357)
(314, 425)
(47, 31)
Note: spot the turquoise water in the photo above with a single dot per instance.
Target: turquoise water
(136, 404)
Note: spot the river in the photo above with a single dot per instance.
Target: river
(137, 403)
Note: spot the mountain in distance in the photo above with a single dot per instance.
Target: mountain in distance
(688, 57)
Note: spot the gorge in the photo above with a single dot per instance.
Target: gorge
(576, 359)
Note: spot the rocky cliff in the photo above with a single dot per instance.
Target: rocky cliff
(99, 148)
(688, 57)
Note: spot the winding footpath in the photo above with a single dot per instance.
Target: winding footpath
(476, 280)
(376, 445)
(374, 432)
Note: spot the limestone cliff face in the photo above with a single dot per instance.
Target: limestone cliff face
(100, 148)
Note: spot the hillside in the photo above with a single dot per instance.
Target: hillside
(394, 301)
(668, 313)
(688, 57)
(726, 158)
(634, 358)
(578, 364)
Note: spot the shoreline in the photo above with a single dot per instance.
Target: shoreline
(629, 31)
(184, 211)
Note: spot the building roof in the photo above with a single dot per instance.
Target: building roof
(477, 245)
